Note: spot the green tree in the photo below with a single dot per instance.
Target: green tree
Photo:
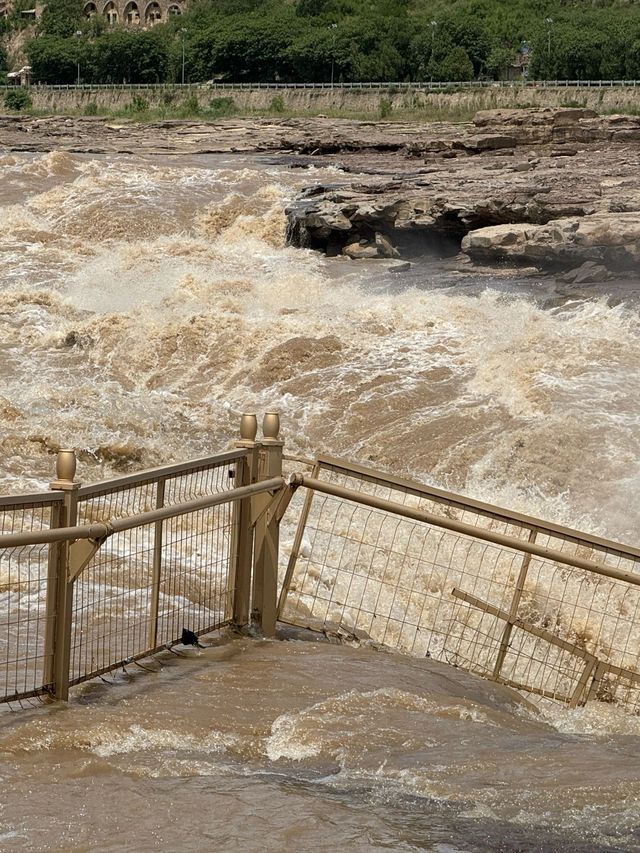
(18, 99)
(131, 57)
(632, 60)
(61, 18)
(498, 61)
(301, 40)
(53, 59)
(455, 66)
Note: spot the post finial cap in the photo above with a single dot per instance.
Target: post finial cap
(248, 427)
(66, 465)
(271, 426)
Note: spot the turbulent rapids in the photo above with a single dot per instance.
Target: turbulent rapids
(142, 305)
(169, 293)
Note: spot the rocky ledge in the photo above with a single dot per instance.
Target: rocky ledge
(609, 239)
(552, 188)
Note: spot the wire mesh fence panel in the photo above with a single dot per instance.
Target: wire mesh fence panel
(24, 619)
(198, 482)
(619, 688)
(391, 577)
(461, 508)
(111, 604)
(541, 667)
(144, 585)
(193, 590)
(625, 559)
(194, 587)
(418, 496)
(599, 615)
(496, 610)
(138, 493)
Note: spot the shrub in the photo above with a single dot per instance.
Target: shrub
(91, 109)
(277, 104)
(222, 106)
(385, 108)
(18, 99)
(138, 104)
(191, 106)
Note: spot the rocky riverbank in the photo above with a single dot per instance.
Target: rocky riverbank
(552, 188)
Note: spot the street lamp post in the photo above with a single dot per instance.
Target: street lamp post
(78, 36)
(183, 31)
(333, 28)
(549, 23)
(434, 27)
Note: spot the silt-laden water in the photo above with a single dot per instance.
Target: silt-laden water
(142, 304)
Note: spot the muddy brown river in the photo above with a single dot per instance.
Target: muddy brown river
(143, 303)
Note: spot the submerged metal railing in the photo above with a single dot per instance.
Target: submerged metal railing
(94, 577)
(533, 605)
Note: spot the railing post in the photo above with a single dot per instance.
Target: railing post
(297, 542)
(239, 594)
(267, 533)
(48, 676)
(59, 587)
(156, 577)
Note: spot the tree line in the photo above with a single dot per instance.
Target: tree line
(344, 40)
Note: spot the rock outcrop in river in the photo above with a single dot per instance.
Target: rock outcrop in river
(550, 188)
(554, 188)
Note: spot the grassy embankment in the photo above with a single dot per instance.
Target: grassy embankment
(459, 104)
(207, 108)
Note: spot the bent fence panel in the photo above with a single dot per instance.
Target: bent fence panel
(24, 616)
(537, 624)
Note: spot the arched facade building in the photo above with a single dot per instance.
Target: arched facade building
(134, 13)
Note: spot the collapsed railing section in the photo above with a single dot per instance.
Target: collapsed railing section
(92, 578)
(530, 604)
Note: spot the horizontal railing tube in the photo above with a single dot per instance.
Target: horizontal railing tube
(463, 502)
(61, 534)
(162, 472)
(462, 527)
(153, 515)
(10, 502)
(100, 530)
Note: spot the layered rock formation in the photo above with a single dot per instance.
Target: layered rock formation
(608, 239)
(550, 188)
(556, 188)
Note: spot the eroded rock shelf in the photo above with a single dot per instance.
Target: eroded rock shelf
(552, 188)
(549, 187)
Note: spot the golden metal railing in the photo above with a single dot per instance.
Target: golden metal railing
(535, 605)
(94, 577)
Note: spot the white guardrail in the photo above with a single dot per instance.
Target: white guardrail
(428, 85)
